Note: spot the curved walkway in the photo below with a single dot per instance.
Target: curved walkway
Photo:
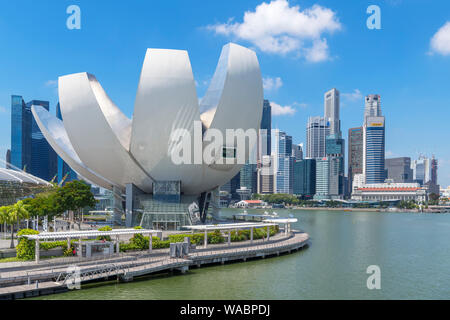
(47, 280)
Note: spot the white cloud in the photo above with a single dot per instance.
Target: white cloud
(440, 43)
(51, 83)
(318, 52)
(278, 28)
(270, 84)
(278, 110)
(3, 109)
(353, 96)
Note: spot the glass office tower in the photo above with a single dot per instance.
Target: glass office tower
(20, 134)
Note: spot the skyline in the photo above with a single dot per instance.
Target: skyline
(113, 39)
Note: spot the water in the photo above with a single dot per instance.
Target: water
(412, 250)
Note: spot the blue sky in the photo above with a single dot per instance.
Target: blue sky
(304, 47)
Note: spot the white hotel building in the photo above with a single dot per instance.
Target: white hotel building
(390, 192)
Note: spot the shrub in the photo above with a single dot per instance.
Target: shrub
(106, 238)
(215, 237)
(26, 248)
(52, 245)
(134, 246)
(68, 252)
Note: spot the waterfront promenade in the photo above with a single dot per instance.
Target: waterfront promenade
(21, 281)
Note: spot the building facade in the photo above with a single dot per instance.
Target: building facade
(30, 151)
(332, 109)
(391, 192)
(20, 134)
(297, 151)
(355, 154)
(374, 149)
(266, 176)
(335, 149)
(305, 178)
(399, 170)
(317, 129)
(282, 162)
(8, 159)
(248, 177)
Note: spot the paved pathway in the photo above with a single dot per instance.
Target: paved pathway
(133, 265)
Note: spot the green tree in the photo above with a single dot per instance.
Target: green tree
(12, 215)
(74, 196)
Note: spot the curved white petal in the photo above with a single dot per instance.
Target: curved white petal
(98, 131)
(166, 101)
(234, 100)
(54, 132)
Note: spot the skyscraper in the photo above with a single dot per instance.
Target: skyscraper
(305, 178)
(317, 129)
(399, 170)
(355, 154)
(63, 170)
(297, 151)
(248, 177)
(266, 124)
(43, 157)
(422, 170)
(20, 134)
(322, 178)
(8, 158)
(266, 176)
(282, 162)
(331, 110)
(372, 106)
(374, 141)
(30, 151)
(335, 149)
(434, 171)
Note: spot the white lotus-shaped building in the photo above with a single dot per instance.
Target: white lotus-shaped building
(107, 148)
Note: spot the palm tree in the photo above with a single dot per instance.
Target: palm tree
(14, 214)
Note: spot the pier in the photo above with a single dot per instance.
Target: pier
(48, 279)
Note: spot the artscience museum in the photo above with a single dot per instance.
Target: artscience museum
(134, 157)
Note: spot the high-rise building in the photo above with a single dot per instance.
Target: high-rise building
(422, 170)
(8, 159)
(248, 178)
(30, 151)
(20, 134)
(372, 106)
(335, 149)
(282, 162)
(232, 186)
(317, 129)
(322, 178)
(43, 157)
(266, 176)
(331, 110)
(297, 151)
(328, 178)
(398, 170)
(266, 124)
(355, 154)
(374, 141)
(434, 171)
(305, 178)
(64, 171)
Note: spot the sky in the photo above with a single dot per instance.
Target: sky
(304, 49)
